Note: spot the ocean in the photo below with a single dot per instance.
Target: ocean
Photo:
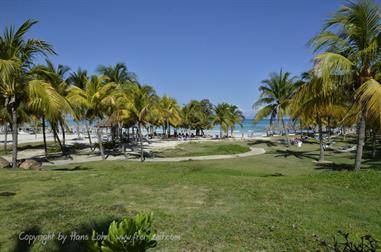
(248, 127)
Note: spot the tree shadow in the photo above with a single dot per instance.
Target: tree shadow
(297, 154)
(23, 245)
(267, 142)
(77, 240)
(76, 168)
(334, 167)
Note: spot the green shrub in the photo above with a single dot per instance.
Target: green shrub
(131, 234)
(367, 244)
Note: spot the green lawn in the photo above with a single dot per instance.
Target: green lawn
(273, 202)
(189, 149)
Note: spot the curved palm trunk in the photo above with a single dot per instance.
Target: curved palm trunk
(374, 139)
(321, 157)
(360, 142)
(14, 135)
(58, 140)
(44, 137)
(141, 143)
(63, 134)
(88, 135)
(6, 138)
(285, 132)
(231, 131)
(78, 134)
(220, 131)
(99, 135)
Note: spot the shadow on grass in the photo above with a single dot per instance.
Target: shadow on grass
(334, 167)
(297, 154)
(76, 168)
(77, 240)
(267, 142)
(23, 245)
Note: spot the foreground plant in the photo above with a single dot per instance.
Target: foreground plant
(367, 244)
(130, 234)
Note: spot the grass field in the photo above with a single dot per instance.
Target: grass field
(190, 149)
(273, 202)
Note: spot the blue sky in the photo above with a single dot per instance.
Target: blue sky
(196, 49)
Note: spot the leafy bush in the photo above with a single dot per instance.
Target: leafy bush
(367, 244)
(131, 234)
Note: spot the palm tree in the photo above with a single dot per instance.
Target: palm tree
(312, 106)
(351, 58)
(56, 77)
(142, 100)
(95, 99)
(169, 112)
(45, 101)
(276, 94)
(236, 117)
(80, 79)
(222, 117)
(16, 55)
(117, 74)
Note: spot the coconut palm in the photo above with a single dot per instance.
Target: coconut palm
(222, 117)
(56, 77)
(350, 53)
(313, 106)
(117, 74)
(80, 79)
(276, 94)
(96, 99)
(236, 117)
(45, 101)
(170, 113)
(16, 56)
(143, 100)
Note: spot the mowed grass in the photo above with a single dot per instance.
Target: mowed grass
(189, 149)
(273, 202)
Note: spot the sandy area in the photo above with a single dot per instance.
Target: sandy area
(85, 155)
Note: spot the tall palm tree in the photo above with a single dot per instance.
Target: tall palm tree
(312, 106)
(276, 94)
(117, 74)
(222, 117)
(45, 101)
(236, 117)
(80, 79)
(16, 56)
(56, 77)
(350, 52)
(142, 100)
(95, 99)
(170, 113)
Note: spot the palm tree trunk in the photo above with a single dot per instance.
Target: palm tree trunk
(374, 139)
(58, 140)
(141, 143)
(88, 135)
(285, 132)
(14, 135)
(321, 157)
(100, 143)
(63, 133)
(169, 129)
(44, 137)
(231, 131)
(220, 131)
(360, 142)
(6, 138)
(78, 135)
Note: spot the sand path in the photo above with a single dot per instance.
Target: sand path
(88, 158)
